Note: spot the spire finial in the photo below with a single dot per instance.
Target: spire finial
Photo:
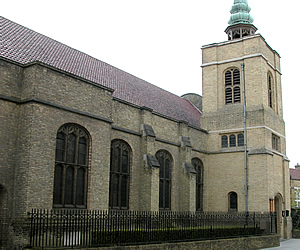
(240, 13)
(240, 22)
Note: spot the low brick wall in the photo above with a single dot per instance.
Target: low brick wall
(256, 242)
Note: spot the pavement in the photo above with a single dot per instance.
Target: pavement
(291, 244)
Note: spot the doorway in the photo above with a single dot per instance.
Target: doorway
(278, 210)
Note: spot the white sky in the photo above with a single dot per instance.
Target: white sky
(160, 40)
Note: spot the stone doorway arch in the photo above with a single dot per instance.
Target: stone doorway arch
(278, 210)
(4, 217)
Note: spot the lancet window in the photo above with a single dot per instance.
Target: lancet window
(120, 161)
(270, 91)
(71, 167)
(165, 177)
(232, 201)
(198, 165)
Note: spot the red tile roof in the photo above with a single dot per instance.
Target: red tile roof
(295, 174)
(23, 45)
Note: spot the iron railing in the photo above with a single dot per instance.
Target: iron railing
(94, 228)
(296, 218)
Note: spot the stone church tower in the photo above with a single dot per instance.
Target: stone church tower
(242, 112)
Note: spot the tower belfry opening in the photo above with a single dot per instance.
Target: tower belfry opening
(240, 22)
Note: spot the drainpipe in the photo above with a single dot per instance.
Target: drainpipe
(245, 139)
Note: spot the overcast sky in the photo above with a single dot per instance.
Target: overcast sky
(160, 40)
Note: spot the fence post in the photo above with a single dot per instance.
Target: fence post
(31, 228)
(254, 221)
(275, 217)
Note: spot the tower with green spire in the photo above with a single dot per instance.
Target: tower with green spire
(242, 98)
(240, 22)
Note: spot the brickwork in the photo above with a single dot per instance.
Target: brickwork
(8, 132)
(11, 78)
(46, 101)
(56, 87)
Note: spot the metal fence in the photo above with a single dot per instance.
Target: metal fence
(296, 218)
(91, 228)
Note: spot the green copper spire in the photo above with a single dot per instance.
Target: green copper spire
(240, 23)
(240, 13)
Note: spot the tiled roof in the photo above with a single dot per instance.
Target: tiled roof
(295, 174)
(23, 45)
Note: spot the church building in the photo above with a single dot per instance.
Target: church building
(76, 132)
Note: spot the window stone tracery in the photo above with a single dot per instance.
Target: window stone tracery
(71, 167)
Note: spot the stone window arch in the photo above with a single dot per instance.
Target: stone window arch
(165, 179)
(120, 165)
(232, 201)
(232, 86)
(71, 167)
(198, 165)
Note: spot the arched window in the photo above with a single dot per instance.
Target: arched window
(224, 141)
(165, 172)
(232, 201)
(71, 167)
(270, 91)
(198, 165)
(236, 139)
(119, 175)
(232, 141)
(232, 86)
(240, 140)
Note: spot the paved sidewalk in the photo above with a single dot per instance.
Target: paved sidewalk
(291, 244)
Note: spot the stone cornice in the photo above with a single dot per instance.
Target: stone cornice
(53, 105)
(241, 59)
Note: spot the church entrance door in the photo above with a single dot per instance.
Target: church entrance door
(278, 210)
